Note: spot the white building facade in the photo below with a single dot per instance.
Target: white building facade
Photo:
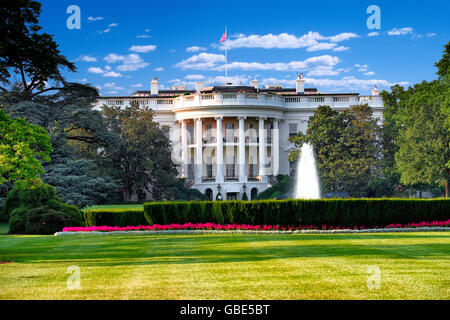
(229, 139)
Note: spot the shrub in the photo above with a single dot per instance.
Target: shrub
(362, 212)
(114, 217)
(39, 210)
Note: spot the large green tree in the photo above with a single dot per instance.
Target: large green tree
(22, 149)
(142, 158)
(423, 139)
(346, 146)
(26, 52)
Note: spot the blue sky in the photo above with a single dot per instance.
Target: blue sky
(122, 44)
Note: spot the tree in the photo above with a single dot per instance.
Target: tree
(25, 51)
(423, 139)
(22, 149)
(443, 65)
(142, 158)
(346, 147)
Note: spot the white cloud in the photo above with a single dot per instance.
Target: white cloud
(142, 49)
(432, 34)
(400, 32)
(346, 83)
(195, 49)
(201, 61)
(284, 40)
(159, 69)
(323, 71)
(105, 31)
(112, 74)
(94, 18)
(131, 62)
(86, 58)
(95, 70)
(147, 30)
(218, 80)
(321, 46)
(210, 61)
(343, 36)
(112, 86)
(143, 36)
(84, 80)
(308, 64)
(172, 50)
(372, 34)
(341, 48)
(195, 77)
(112, 25)
(369, 73)
(137, 85)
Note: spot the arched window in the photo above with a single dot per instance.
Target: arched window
(209, 194)
(253, 193)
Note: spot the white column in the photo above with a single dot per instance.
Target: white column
(219, 150)
(242, 173)
(184, 150)
(275, 148)
(199, 147)
(262, 151)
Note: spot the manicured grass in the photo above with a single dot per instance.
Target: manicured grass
(227, 266)
(117, 206)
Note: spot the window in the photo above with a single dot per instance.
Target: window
(292, 129)
(230, 170)
(229, 132)
(208, 132)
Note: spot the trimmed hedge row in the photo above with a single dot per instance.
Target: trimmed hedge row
(336, 212)
(114, 217)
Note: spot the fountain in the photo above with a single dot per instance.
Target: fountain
(307, 183)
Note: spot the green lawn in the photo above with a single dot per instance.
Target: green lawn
(118, 206)
(227, 266)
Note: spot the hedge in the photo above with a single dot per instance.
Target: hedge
(332, 212)
(114, 217)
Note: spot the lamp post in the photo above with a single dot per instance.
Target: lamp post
(219, 195)
(244, 187)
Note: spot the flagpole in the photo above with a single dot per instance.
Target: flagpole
(226, 56)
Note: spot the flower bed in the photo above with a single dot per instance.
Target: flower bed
(245, 227)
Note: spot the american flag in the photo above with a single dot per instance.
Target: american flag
(224, 37)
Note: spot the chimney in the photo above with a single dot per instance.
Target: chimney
(199, 86)
(300, 84)
(154, 86)
(254, 83)
(375, 91)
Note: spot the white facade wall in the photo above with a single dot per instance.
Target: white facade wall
(253, 108)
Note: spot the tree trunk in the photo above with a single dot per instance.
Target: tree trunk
(446, 189)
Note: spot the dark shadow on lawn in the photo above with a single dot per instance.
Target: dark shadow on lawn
(149, 250)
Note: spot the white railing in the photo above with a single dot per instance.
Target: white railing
(164, 101)
(292, 99)
(251, 96)
(341, 99)
(229, 96)
(207, 97)
(316, 99)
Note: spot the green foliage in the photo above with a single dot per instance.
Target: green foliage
(22, 148)
(24, 50)
(336, 212)
(142, 158)
(285, 185)
(114, 217)
(423, 139)
(78, 182)
(244, 196)
(346, 146)
(38, 209)
(443, 65)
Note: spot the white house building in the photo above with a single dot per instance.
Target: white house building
(230, 139)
